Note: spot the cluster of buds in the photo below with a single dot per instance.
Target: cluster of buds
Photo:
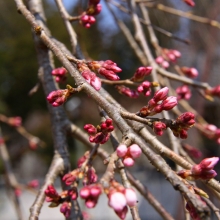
(203, 170)
(83, 171)
(159, 127)
(64, 198)
(128, 154)
(14, 121)
(87, 18)
(119, 197)
(190, 72)
(60, 74)
(91, 194)
(101, 133)
(59, 97)
(212, 132)
(145, 89)
(183, 92)
(107, 68)
(127, 91)
(192, 151)
(167, 56)
(158, 103)
(140, 73)
(214, 91)
(190, 2)
(182, 124)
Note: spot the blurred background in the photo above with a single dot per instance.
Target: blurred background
(18, 75)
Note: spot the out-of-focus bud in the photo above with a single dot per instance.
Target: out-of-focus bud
(65, 208)
(33, 184)
(190, 71)
(192, 151)
(15, 121)
(144, 88)
(214, 91)
(190, 2)
(127, 91)
(183, 92)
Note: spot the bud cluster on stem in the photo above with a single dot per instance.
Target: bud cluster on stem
(60, 74)
(158, 103)
(87, 18)
(119, 197)
(167, 56)
(59, 97)
(183, 92)
(182, 124)
(128, 154)
(101, 133)
(203, 170)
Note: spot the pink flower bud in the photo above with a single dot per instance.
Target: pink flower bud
(58, 97)
(92, 79)
(183, 92)
(84, 192)
(91, 129)
(176, 53)
(33, 183)
(131, 197)
(66, 209)
(95, 191)
(190, 72)
(165, 64)
(144, 88)
(128, 162)
(209, 163)
(161, 94)
(190, 2)
(121, 150)
(69, 179)
(159, 60)
(135, 151)
(127, 91)
(117, 201)
(169, 103)
(214, 91)
(159, 127)
(140, 73)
